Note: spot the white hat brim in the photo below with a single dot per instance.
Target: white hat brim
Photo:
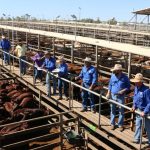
(136, 80)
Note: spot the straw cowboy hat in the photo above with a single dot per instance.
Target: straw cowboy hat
(88, 59)
(117, 67)
(138, 78)
(3, 36)
(47, 53)
(60, 59)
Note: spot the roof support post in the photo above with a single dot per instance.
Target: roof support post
(27, 39)
(129, 64)
(96, 58)
(72, 52)
(147, 22)
(53, 46)
(38, 42)
(135, 22)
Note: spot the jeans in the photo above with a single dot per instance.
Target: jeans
(138, 128)
(6, 56)
(37, 74)
(85, 95)
(48, 84)
(22, 65)
(147, 128)
(119, 99)
(61, 84)
(138, 125)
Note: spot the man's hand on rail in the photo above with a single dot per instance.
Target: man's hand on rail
(133, 109)
(142, 114)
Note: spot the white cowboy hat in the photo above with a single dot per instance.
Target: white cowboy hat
(47, 53)
(138, 78)
(60, 59)
(117, 67)
(3, 36)
(88, 59)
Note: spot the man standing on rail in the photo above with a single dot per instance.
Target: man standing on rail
(141, 103)
(89, 76)
(49, 64)
(21, 53)
(119, 84)
(5, 45)
(62, 73)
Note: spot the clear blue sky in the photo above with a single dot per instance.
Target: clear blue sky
(49, 9)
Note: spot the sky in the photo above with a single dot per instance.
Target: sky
(50, 9)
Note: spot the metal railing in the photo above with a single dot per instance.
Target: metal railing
(46, 126)
(71, 84)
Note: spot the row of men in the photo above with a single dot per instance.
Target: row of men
(118, 86)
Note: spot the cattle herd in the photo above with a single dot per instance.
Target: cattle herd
(18, 103)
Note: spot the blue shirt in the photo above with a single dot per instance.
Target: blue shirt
(146, 99)
(49, 63)
(5, 44)
(89, 75)
(138, 99)
(117, 84)
(63, 70)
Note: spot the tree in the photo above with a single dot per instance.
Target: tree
(112, 21)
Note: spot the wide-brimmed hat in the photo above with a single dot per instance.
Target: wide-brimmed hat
(88, 59)
(138, 78)
(117, 67)
(47, 53)
(3, 36)
(60, 59)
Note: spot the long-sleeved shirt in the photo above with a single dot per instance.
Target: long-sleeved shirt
(139, 101)
(63, 70)
(37, 59)
(5, 44)
(21, 50)
(117, 84)
(49, 63)
(89, 75)
(147, 99)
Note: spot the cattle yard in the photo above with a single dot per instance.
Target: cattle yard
(52, 118)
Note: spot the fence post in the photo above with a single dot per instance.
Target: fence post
(70, 95)
(33, 75)
(99, 118)
(61, 131)
(39, 98)
(2, 58)
(19, 66)
(141, 134)
(9, 62)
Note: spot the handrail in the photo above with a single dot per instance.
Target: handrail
(83, 88)
(99, 95)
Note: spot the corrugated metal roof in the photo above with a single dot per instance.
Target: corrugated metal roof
(123, 47)
(143, 11)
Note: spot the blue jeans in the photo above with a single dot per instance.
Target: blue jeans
(138, 128)
(87, 95)
(147, 128)
(48, 84)
(22, 65)
(138, 124)
(6, 56)
(37, 74)
(61, 84)
(119, 99)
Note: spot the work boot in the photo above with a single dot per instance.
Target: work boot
(59, 98)
(93, 110)
(112, 127)
(66, 98)
(121, 128)
(84, 109)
